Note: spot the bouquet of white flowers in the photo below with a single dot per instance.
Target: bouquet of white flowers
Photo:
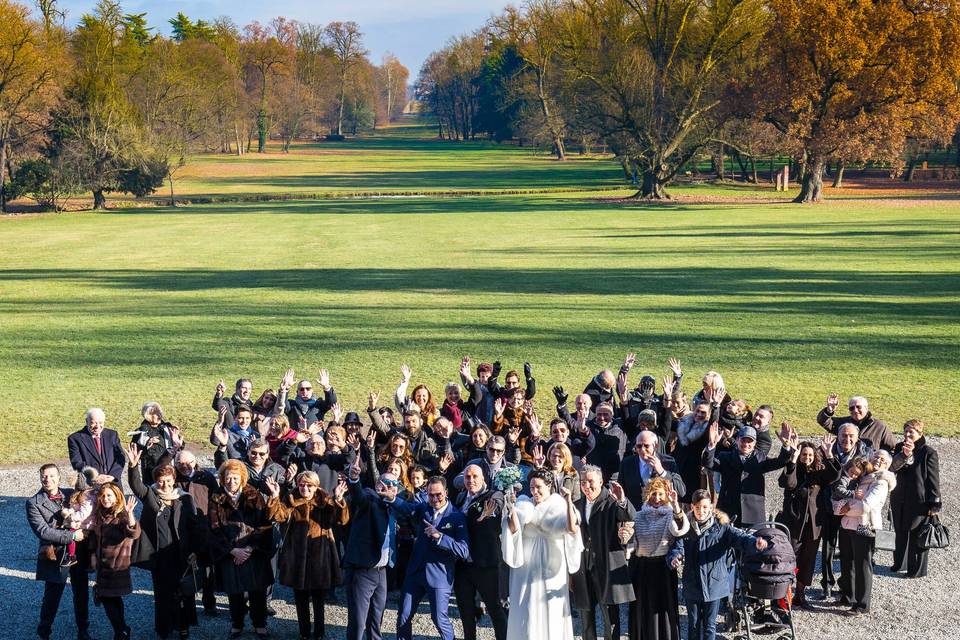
(508, 480)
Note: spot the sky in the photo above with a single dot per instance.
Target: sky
(410, 29)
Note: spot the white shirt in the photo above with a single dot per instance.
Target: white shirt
(589, 509)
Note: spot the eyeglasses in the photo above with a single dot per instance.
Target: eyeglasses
(389, 482)
(258, 454)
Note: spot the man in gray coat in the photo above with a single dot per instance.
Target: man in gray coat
(44, 514)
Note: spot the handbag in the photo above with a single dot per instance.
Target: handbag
(190, 582)
(933, 534)
(47, 552)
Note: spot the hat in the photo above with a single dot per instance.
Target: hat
(747, 432)
(648, 415)
(351, 418)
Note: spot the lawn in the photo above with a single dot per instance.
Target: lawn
(788, 302)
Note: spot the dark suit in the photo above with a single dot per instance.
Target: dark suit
(633, 484)
(604, 578)
(43, 516)
(482, 573)
(916, 494)
(364, 573)
(432, 567)
(83, 453)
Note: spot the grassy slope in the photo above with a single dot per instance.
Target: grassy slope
(788, 302)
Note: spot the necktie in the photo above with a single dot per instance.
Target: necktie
(391, 534)
(96, 442)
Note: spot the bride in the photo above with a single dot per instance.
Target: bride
(541, 545)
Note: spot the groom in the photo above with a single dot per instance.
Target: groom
(441, 542)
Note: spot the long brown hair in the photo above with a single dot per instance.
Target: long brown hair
(430, 409)
(817, 456)
(104, 514)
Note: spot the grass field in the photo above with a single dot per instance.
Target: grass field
(788, 302)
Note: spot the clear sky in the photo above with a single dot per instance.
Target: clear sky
(410, 29)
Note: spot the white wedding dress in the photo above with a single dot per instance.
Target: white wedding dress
(540, 556)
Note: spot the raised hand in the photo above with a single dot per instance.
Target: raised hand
(175, 436)
(313, 428)
(290, 473)
(719, 394)
(527, 370)
(566, 494)
(560, 395)
(580, 424)
(129, 506)
(539, 457)
(674, 365)
(535, 426)
(674, 498)
(489, 508)
(832, 403)
(133, 455)
(221, 389)
(498, 406)
(827, 445)
(513, 434)
(221, 416)
(288, 380)
(337, 411)
(528, 408)
(219, 433)
(405, 373)
(784, 433)
(324, 379)
(497, 368)
(355, 469)
(273, 487)
(616, 490)
(713, 436)
(794, 439)
(340, 490)
(445, 461)
(465, 368)
(353, 439)
(371, 438)
(372, 399)
(629, 361)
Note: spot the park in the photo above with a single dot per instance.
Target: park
(198, 202)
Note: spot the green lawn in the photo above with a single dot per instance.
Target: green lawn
(788, 302)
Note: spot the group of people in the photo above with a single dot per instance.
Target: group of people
(631, 498)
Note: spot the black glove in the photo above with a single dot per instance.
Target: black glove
(559, 394)
(527, 370)
(496, 369)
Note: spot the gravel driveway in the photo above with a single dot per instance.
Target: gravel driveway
(902, 607)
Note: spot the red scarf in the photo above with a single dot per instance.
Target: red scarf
(452, 413)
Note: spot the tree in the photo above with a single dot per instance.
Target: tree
(393, 85)
(346, 42)
(651, 73)
(853, 79)
(266, 55)
(184, 29)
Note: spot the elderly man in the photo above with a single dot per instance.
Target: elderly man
(46, 520)
(200, 484)
(440, 544)
(491, 464)
(848, 447)
(370, 549)
(306, 408)
(604, 576)
(874, 431)
(637, 470)
(98, 447)
(481, 575)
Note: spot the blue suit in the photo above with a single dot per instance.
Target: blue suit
(431, 568)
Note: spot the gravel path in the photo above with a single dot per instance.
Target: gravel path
(902, 607)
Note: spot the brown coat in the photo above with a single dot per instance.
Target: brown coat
(308, 557)
(112, 543)
(245, 524)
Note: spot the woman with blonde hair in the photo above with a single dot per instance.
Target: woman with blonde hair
(559, 460)
(308, 562)
(241, 543)
(115, 528)
(655, 614)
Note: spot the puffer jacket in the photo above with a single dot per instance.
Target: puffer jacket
(707, 558)
(868, 511)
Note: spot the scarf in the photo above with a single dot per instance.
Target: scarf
(451, 412)
(167, 497)
(698, 527)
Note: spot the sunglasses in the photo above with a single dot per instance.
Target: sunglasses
(496, 450)
(258, 454)
(389, 482)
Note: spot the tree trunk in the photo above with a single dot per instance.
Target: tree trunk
(173, 203)
(838, 178)
(3, 169)
(343, 97)
(811, 185)
(911, 169)
(773, 173)
(721, 163)
(753, 170)
(99, 200)
(651, 187)
(261, 130)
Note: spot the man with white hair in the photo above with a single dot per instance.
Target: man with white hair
(200, 484)
(874, 431)
(98, 447)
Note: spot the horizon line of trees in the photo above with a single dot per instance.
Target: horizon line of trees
(667, 83)
(111, 106)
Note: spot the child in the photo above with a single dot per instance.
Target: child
(846, 489)
(418, 477)
(704, 552)
(79, 515)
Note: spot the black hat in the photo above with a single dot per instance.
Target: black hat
(352, 417)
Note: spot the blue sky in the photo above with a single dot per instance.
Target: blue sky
(411, 29)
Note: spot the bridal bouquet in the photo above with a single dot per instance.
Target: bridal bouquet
(508, 479)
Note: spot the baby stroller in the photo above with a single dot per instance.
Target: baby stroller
(766, 575)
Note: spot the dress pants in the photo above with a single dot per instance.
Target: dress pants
(470, 581)
(907, 556)
(609, 614)
(257, 607)
(860, 568)
(366, 599)
(412, 594)
(829, 536)
(53, 591)
(302, 598)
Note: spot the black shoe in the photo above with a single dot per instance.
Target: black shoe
(235, 633)
(83, 635)
(271, 611)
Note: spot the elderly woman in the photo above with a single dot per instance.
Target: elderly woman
(168, 524)
(157, 439)
(241, 543)
(655, 615)
(916, 497)
(861, 517)
(309, 563)
(809, 473)
(455, 409)
(115, 529)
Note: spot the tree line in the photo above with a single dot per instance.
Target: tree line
(111, 106)
(666, 83)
